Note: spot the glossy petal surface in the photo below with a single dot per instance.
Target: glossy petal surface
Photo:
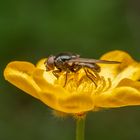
(19, 73)
(118, 97)
(116, 85)
(112, 70)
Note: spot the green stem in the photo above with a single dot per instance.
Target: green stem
(80, 128)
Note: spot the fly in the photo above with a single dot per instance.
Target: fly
(70, 62)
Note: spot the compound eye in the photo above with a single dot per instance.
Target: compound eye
(49, 63)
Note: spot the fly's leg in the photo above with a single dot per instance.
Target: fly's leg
(89, 76)
(66, 79)
(74, 68)
(56, 72)
(94, 77)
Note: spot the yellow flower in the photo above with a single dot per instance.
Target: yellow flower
(117, 84)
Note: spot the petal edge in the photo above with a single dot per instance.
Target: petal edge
(19, 73)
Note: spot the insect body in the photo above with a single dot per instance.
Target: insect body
(69, 62)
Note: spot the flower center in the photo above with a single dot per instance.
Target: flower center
(85, 81)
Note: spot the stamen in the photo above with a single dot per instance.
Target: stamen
(101, 85)
(86, 81)
(66, 79)
(91, 78)
(108, 84)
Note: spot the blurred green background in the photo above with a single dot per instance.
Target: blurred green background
(31, 29)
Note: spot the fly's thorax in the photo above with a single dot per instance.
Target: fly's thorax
(61, 60)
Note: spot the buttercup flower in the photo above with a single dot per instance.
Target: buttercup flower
(116, 85)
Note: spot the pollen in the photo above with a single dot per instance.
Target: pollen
(80, 82)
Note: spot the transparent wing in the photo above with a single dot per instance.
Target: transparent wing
(88, 60)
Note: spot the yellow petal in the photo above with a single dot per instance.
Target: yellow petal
(73, 103)
(118, 55)
(58, 98)
(118, 97)
(131, 72)
(40, 64)
(76, 103)
(45, 80)
(111, 70)
(19, 73)
(129, 83)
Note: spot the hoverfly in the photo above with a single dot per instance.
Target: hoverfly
(70, 62)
